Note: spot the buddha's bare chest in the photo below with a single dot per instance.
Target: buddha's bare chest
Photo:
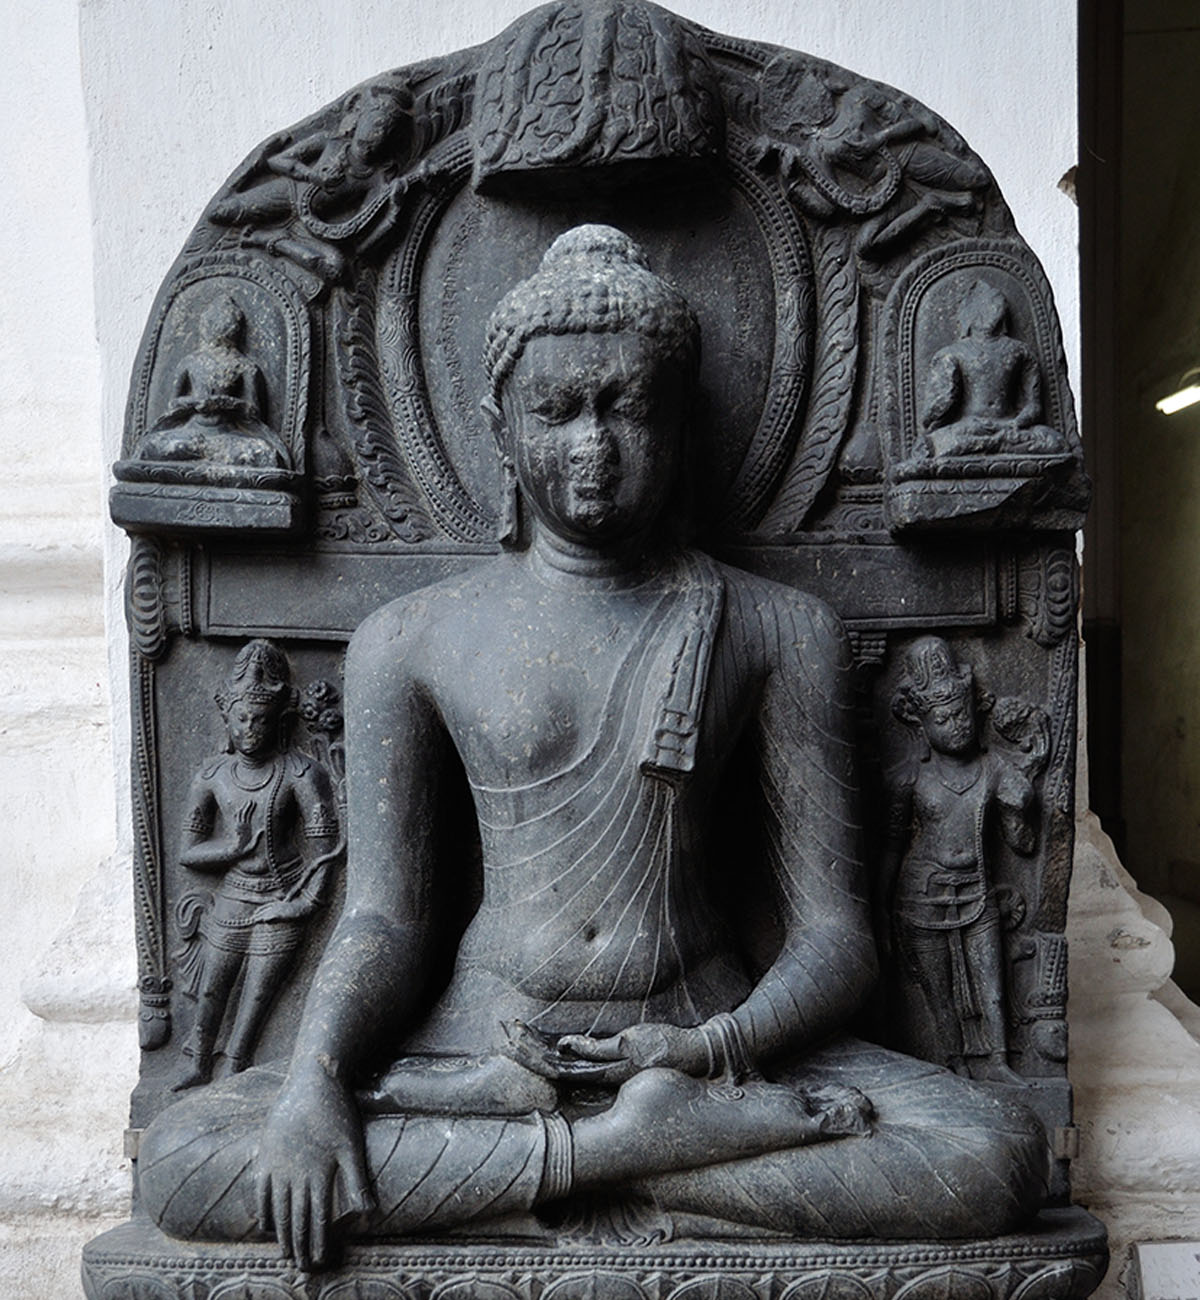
(536, 690)
(530, 684)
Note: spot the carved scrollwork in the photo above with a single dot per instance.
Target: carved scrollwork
(383, 471)
(951, 1283)
(714, 1288)
(834, 369)
(376, 1288)
(1048, 593)
(828, 1286)
(597, 1285)
(254, 1288)
(154, 983)
(475, 1288)
(144, 599)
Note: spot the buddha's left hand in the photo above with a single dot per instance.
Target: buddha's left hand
(641, 1047)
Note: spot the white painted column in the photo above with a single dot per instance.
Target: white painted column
(66, 1060)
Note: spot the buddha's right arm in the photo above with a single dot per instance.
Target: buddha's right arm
(371, 979)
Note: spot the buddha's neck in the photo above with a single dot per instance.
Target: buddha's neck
(558, 560)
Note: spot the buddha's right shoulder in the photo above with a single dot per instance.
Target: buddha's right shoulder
(428, 614)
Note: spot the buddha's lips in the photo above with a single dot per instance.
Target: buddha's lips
(594, 484)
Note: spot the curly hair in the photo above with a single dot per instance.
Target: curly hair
(593, 279)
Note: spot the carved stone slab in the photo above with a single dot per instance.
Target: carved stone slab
(878, 436)
(1062, 1257)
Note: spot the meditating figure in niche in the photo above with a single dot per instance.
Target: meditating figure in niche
(605, 1033)
(263, 816)
(220, 397)
(938, 886)
(983, 394)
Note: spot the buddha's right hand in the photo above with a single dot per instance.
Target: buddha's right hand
(310, 1167)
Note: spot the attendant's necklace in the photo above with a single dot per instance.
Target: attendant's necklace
(267, 770)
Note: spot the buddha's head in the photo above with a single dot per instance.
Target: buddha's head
(938, 694)
(256, 699)
(983, 311)
(591, 361)
(223, 323)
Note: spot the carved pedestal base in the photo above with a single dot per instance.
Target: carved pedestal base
(186, 509)
(977, 492)
(1062, 1257)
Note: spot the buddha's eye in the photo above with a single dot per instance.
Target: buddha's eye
(555, 407)
(633, 404)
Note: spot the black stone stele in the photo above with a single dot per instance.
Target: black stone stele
(618, 485)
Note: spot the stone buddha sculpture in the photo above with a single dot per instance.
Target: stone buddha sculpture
(216, 413)
(604, 1038)
(983, 393)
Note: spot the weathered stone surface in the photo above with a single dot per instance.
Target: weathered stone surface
(1062, 1255)
(611, 905)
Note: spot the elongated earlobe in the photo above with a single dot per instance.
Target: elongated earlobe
(508, 526)
(508, 523)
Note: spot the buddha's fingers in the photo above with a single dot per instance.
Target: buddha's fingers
(594, 1049)
(301, 1227)
(262, 1201)
(281, 1215)
(318, 1221)
(356, 1196)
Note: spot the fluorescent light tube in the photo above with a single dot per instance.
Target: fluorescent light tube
(1178, 400)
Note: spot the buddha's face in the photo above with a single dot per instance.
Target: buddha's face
(950, 722)
(253, 727)
(594, 421)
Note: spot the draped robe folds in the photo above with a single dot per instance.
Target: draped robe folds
(613, 840)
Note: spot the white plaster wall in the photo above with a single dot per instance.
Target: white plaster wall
(65, 1069)
(175, 93)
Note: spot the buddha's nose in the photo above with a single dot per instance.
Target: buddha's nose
(595, 445)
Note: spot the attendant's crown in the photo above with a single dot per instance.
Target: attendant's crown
(260, 676)
(932, 677)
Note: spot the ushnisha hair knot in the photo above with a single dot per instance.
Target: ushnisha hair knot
(593, 280)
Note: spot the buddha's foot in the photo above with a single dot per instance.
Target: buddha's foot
(840, 1111)
(663, 1120)
(992, 1069)
(465, 1085)
(199, 1071)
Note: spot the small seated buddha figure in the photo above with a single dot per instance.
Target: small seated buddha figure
(217, 412)
(605, 1034)
(262, 817)
(983, 393)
